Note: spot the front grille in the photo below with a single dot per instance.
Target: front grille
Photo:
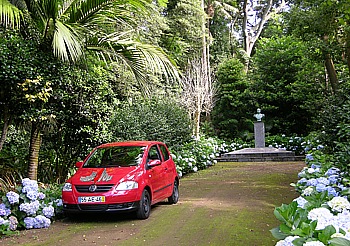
(100, 188)
(93, 207)
(70, 206)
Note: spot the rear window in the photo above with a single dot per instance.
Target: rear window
(117, 156)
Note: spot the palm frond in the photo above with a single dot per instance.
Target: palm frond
(141, 59)
(10, 15)
(65, 43)
(82, 10)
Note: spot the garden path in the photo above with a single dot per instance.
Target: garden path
(227, 204)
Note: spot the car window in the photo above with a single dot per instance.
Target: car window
(116, 156)
(164, 152)
(153, 153)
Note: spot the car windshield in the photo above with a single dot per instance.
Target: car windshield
(116, 156)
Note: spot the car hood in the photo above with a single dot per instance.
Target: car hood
(112, 175)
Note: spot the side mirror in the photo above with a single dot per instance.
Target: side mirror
(79, 164)
(154, 163)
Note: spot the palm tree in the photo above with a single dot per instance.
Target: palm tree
(70, 28)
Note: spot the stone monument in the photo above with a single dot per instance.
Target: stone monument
(259, 130)
(260, 152)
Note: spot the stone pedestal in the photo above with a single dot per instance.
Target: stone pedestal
(259, 134)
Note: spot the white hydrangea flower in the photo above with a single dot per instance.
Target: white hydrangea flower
(308, 191)
(339, 204)
(301, 201)
(314, 243)
(288, 241)
(323, 216)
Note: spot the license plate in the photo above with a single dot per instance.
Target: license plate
(91, 199)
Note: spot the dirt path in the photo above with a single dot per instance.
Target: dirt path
(227, 204)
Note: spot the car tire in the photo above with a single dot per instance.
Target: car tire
(174, 198)
(144, 208)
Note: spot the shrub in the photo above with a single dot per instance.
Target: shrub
(200, 154)
(28, 206)
(156, 119)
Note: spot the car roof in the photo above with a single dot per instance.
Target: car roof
(129, 143)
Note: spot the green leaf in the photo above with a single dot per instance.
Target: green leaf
(338, 241)
(278, 234)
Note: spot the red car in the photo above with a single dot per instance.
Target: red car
(122, 177)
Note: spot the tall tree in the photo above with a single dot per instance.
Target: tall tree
(256, 14)
(184, 37)
(324, 24)
(198, 93)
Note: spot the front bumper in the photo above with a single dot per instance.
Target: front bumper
(90, 208)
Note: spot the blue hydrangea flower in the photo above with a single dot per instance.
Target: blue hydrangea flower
(41, 222)
(41, 196)
(332, 191)
(332, 171)
(29, 185)
(4, 211)
(311, 182)
(29, 222)
(302, 181)
(321, 187)
(322, 180)
(48, 211)
(333, 179)
(59, 202)
(32, 195)
(309, 157)
(301, 201)
(12, 197)
(30, 208)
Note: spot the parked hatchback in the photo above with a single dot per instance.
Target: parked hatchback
(122, 177)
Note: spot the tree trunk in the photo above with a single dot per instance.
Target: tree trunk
(332, 74)
(197, 116)
(7, 120)
(328, 63)
(35, 142)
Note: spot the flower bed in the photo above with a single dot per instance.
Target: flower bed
(29, 206)
(321, 214)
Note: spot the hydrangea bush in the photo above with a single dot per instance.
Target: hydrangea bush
(200, 154)
(29, 206)
(321, 214)
(299, 145)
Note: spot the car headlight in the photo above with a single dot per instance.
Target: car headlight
(67, 187)
(127, 185)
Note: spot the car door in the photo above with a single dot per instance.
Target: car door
(169, 170)
(156, 173)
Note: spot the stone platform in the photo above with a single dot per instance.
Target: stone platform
(259, 155)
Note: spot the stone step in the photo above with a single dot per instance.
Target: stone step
(260, 155)
(260, 159)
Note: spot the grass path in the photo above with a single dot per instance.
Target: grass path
(227, 204)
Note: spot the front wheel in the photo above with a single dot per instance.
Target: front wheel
(174, 198)
(145, 206)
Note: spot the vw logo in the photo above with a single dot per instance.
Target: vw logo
(92, 188)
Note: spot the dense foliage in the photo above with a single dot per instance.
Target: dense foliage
(155, 119)
(232, 114)
(290, 103)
